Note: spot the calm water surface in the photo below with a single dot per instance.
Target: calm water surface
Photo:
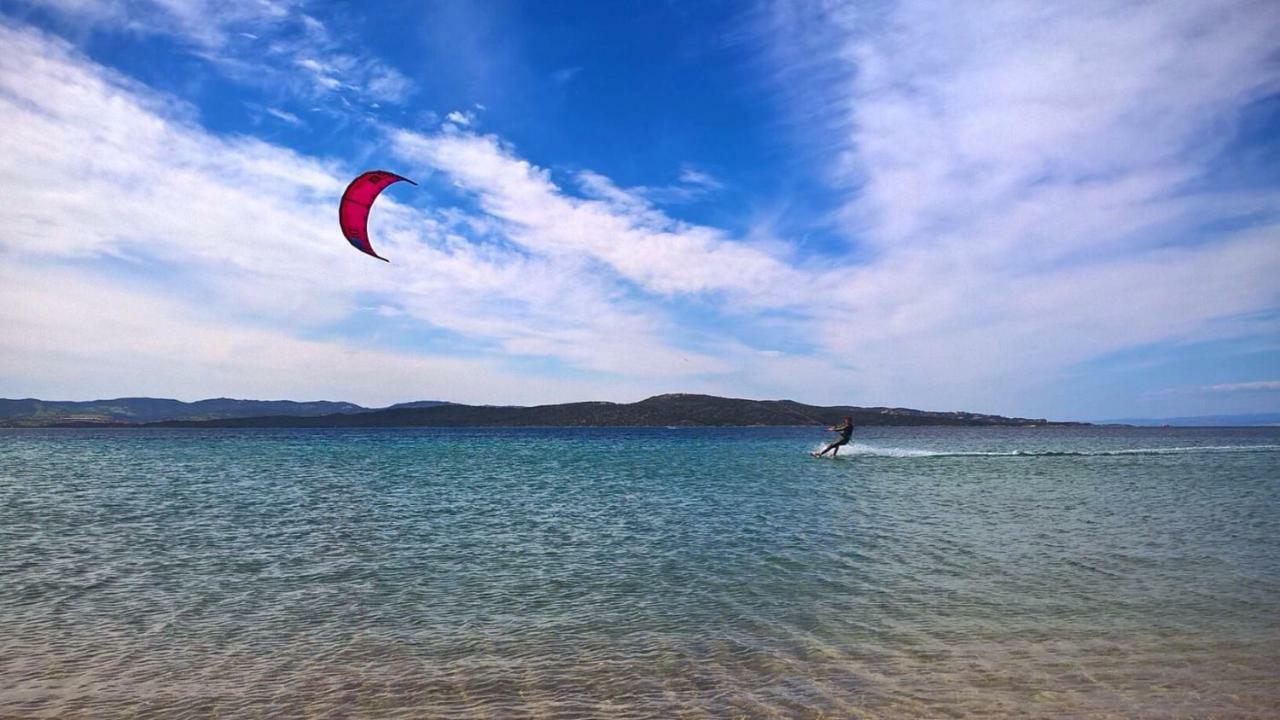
(639, 573)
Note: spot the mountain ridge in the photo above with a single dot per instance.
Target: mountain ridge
(33, 412)
(673, 409)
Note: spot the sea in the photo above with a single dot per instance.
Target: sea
(640, 573)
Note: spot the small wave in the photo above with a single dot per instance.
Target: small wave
(896, 452)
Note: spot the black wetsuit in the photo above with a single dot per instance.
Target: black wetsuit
(845, 431)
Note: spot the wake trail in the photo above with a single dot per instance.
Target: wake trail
(896, 452)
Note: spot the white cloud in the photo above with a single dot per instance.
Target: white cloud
(690, 175)
(247, 233)
(262, 42)
(331, 72)
(692, 185)
(1044, 131)
(208, 24)
(616, 229)
(93, 338)
(1024, 179)
(991, 268)
(1256, 385)
(925, 324)
(284, 115)
(458, 118)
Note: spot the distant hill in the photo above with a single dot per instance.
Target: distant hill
(418, 404)
(37, 413)
(661, 410)
(30, 412)
(1252, 420)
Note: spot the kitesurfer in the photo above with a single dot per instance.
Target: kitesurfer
(845, 429)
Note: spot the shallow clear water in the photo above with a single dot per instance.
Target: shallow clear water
(639, 573)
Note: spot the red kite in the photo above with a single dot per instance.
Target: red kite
(353, 209)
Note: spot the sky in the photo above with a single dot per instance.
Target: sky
(1063, 210)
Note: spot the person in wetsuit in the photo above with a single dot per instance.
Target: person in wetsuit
(845, 429)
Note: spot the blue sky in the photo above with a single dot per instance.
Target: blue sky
(1066, 211)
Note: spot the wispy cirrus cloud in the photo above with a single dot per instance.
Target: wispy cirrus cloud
(1029, 182)
(331, 67)
(459, 118)
(1049, 131)
(1252, 386)
(615, 228)
(259, 42)
(96, 337)
(283, 115)
(1246, 396)
(692, 185)
(992, 258)
(205, 24)
(254, 250)
(692, 176)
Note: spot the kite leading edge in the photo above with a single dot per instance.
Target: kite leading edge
(353, 209)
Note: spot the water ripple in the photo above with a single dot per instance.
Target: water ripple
(639, 574)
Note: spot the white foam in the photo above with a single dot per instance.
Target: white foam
(897, 452)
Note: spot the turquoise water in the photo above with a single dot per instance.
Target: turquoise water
(934, 572)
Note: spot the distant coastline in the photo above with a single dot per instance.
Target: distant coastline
(679, 409)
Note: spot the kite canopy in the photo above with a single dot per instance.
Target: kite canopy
(353, 209)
